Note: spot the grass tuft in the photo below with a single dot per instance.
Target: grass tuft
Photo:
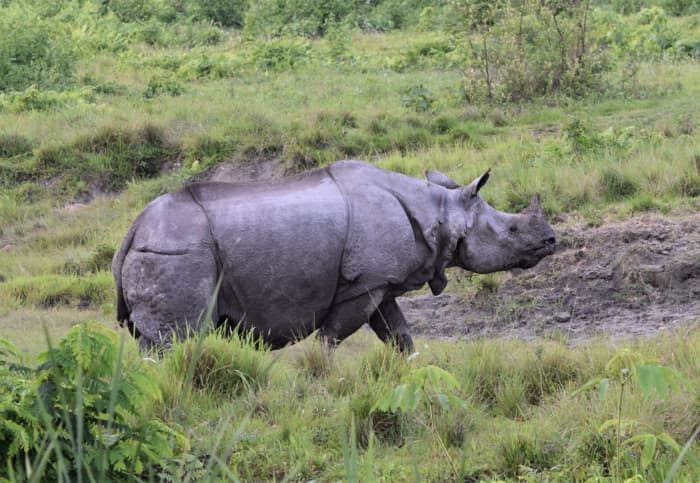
(226, 366)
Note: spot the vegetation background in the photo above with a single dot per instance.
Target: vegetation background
(105, 104)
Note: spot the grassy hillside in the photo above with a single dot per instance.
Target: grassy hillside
(106, 105)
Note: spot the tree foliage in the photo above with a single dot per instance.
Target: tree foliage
(33, 51)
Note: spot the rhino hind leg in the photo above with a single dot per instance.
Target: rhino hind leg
(168, 294)
(390, 325)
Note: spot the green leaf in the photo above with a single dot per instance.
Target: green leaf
(588, 385)
(384, 402)
(410, 398)
(645, 378)
(397, 399)
(7, 348)
(649, 450)
(607, 424)
(603, 388)
(673, 376)
(660, 381)
(669, 441)
(444, 400)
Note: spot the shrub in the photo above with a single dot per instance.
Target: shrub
(33, 51)
(510, 52)
(308, 18)
(81, 412)
(100, 86)
(615, 185)
(193, 34)
(429, 52)
(394, 14)
(389, 427)
(104, 160)
(281, 54)
(681, 7)
(162, 86)
(13, 145)
(33, 99)
(101, 259)
(131, 10)
(227, 13)
(418, 98)
(205, 66)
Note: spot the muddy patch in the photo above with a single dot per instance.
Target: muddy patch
(622, 279)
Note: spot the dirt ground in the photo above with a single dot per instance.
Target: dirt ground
(621, 279)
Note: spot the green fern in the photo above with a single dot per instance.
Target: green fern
(78, 415)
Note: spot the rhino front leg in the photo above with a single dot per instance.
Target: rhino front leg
(347, 317)
(390, 325)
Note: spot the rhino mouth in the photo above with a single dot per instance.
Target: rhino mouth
(544, 250)
(534, 255)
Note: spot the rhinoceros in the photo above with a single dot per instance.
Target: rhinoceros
(328, 250)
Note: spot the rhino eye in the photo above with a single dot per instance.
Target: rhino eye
(513, 228)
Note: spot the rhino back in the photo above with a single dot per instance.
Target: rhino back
(280, 246)
(171, 224)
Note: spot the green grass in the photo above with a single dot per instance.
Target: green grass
(137, 119)
(269, 417)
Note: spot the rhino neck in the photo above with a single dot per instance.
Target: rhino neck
(450, 230)
(428, 208)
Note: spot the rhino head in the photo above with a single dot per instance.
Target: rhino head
(489, 240)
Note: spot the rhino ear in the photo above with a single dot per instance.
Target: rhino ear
(437, 177)
(473, 188)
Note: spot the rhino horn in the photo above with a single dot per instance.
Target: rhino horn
(441, 179)
(535, 206)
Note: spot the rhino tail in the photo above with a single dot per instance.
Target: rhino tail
(117, 264)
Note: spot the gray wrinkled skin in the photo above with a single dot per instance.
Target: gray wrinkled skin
(329, 250)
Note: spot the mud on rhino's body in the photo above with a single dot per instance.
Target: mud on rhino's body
(327, 250)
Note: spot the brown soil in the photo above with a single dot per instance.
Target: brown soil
(621, 279)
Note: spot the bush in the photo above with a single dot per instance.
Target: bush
(14, 145)
(681, 7)
(33, 51)
(511, 54)
(34, 99)
(131, 10)
(204, 66)
(162, 86)
(418, 98)
(227, 13)
(616, 185)
(281, 54)
(307, 18)
(394, 14)
(81, 412)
